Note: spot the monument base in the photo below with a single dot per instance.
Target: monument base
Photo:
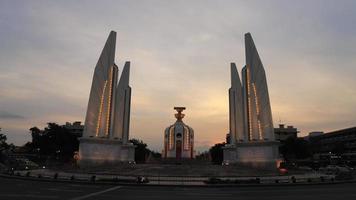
(256, 154)
(98, 151)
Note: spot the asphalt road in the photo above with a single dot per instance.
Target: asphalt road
(26, 189)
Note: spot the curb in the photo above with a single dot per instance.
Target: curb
(44, 179)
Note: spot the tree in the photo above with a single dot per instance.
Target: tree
(339, 148)
(141, 150)
(142, 153)
(54, 141)
(295, 148)
(217, 154)
(3, 144)
(203, 156)
(36, 138)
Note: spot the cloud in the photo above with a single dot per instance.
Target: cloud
(7, 115)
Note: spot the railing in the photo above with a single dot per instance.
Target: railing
(174, 180)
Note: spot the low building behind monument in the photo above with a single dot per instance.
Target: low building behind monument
(283, 132)
(337, 146)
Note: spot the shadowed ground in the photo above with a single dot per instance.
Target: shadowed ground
(23, 189)
(174, 170)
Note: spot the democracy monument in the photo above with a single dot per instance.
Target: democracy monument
(179, 139)
(106, 131)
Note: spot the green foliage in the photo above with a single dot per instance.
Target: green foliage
(142, 152)
(216, 153)
(57, 141)
(339, 148)
(53, 141)
(3, 144)
(156, 154)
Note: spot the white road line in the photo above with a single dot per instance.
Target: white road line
(96, 193)
(63, 190)
(24, 196)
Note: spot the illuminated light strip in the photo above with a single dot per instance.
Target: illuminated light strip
(171, 138)
(249, 104)
(109, 103)
(186, 139)
(249, 118)
(254, 90)
(258, 112)
(260, 129)
(100, 109)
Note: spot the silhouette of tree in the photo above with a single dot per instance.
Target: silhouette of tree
(55, 141)
(203, 156)
(142, 152)
(295, 148)
(339, 148)
(216, 153)
(3, 144)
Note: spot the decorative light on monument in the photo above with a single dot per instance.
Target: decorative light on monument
(171, 139)
(249, 104)
(186, 138)
(108, 117)
(258, 112)
(100, 109)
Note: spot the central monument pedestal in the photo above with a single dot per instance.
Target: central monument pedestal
(257, 154)
(97, 151)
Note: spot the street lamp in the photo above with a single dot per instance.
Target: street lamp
(57, 153)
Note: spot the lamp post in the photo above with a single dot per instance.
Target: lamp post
(57, 153)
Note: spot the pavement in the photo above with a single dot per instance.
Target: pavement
(173, 180)
(11, 189)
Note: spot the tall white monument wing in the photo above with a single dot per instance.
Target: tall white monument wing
(259, 113)
(258, 149)
(106, 129)
(122, 106)
(236, 107)
(99, 106)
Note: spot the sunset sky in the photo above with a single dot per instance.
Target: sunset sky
(180, 52)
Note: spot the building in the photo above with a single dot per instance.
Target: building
(252, 139)
(335, 147)
(76, 128)
(282, 133)
(313, 134)
(179, 139)
(339, 141)
(106, 129)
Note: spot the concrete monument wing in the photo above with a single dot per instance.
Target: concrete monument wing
(106, 130)
(251, 127)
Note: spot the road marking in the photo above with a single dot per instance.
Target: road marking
(96, 193)
(29, 196)
(63, 190)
